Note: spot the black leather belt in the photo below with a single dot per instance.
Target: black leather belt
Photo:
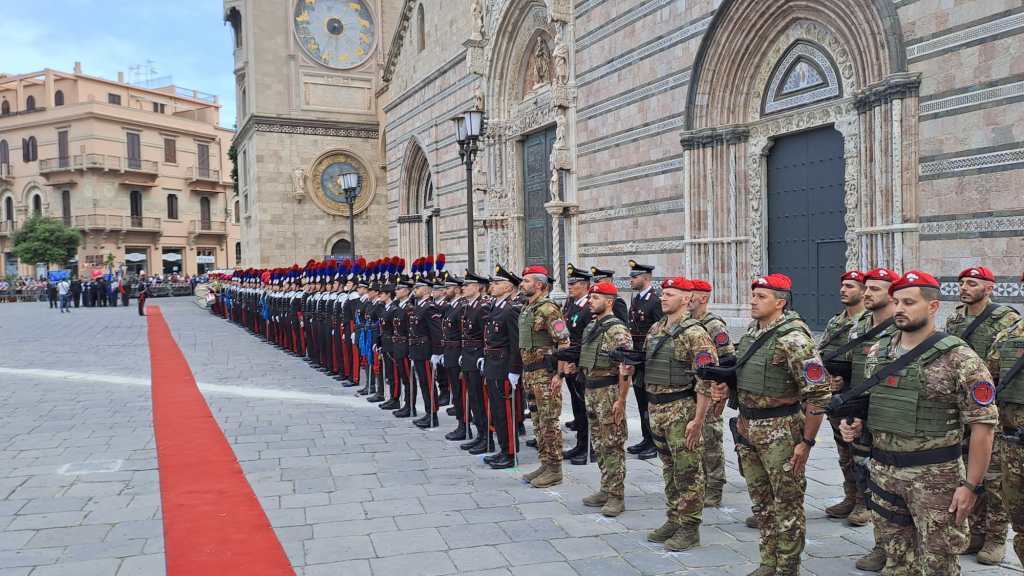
(535, 366)
(670, 396)
(472, 343)
(451, 343)
(917, 458)
(765, 413)
(601, 382)
(419, 340)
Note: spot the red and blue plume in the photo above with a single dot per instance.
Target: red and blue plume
(415, 267)
(401, 265)
(346, 266)
(440, 262)
(428, 264)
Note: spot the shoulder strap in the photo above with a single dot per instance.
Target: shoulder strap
(761, 340)
(601, 327)
(869, 335)
(897, 365)
(977, 321)
(1014, 370)
(845, 329)
(674, 331)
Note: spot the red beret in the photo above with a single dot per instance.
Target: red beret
(535, 270)
(604, 288)
(883, 274)
(855, 275)
(679, 283)
(773, 281)
(701, 285)
(914, 278)
(979, 272)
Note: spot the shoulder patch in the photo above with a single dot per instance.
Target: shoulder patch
(983, 393)
(814, 372)
(704, 358)
(722, 338)
(559, 325)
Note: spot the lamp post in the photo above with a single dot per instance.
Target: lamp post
(350, 183)
(468, 127)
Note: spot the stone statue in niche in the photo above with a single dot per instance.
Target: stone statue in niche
(477, 8)
(561, 59)
(299, 183)
(553, 185)
(478, 98)
(541, 66)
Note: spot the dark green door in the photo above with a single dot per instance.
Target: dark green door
(806, 226)
(536, 178)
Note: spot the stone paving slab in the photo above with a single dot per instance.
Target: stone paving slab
(348, 488)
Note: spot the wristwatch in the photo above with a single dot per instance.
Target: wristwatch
(810, 443)
(977, 489)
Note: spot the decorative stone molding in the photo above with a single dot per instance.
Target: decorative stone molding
(788, 90)
(307, 128)
(709, 137)
(896, 87)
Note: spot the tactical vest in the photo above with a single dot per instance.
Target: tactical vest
(1010, 350)
(706, 322)
(528, 338)
(859, 355)
(758, 375)
(662, 369)
(982, 337)
(897, 405)
(838, 339)
(591, 355)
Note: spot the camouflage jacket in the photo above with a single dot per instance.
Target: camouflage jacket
(693, 347)
(547, 317)
(950, 378)
(1000, 320)
(616, 336)
(838, 331)
(719, 333)
(798, 352)
(1011, 415)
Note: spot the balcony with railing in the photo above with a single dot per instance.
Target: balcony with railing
(104, 162)
(213, 227)
(6, 173)
(117, 222)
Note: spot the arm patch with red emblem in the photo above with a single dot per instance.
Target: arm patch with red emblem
(704, 358)
(983, 393)
(722, 338)
(814, 372)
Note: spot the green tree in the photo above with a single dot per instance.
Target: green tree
(233, 156)
(46, 240)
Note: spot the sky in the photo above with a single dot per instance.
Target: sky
(186, 39)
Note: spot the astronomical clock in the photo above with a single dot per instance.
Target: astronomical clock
(328, 190)
(339, 34)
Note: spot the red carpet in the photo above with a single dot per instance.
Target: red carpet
(213, 523)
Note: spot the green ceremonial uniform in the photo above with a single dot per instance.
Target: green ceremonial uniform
(542, 330)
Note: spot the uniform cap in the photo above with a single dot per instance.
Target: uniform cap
(978, 272)
(636, 268)
(500, 273)
(535, 270)
(601, 274)
(701, 285)
(914, 278)
(471, 278)
(677, 283)
(605, 289)
(855, 275)
(883, 274)
(574, 275)
(774, 281)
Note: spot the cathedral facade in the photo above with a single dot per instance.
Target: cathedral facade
(718, 139)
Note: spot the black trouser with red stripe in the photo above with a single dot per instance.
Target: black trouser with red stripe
(501, 396)
(425, 377)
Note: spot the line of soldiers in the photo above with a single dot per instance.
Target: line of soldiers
(913, 409)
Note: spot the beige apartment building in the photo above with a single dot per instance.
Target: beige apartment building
(142, 172)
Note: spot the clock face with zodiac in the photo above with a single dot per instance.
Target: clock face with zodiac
(336, 33)
(328, 185)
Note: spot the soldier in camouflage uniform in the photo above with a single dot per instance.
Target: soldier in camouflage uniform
(977, 320)
(917, 492)
(542, 330)
(775, 434)
(714, 452)
(1006, 353)
(676, 346)
(606, 384)
(837, 332)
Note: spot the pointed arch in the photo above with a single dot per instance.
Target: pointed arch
(418, 203)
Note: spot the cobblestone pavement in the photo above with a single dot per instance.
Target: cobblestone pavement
(348, 488)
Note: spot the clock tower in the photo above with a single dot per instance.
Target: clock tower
(307, 75)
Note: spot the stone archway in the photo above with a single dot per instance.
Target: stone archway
(523, 57)
(730, 130)
(418, 222)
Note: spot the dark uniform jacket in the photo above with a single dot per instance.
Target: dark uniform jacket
(644, 311)
(424, 330)
(501, 341)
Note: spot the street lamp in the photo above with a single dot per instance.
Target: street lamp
(350, 183)
(468, 127)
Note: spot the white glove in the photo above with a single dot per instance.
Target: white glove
(353, 338)
(376, 348)
(441, 361)
(514, 380)
(480, 364)
(460, 360)
(435, 359)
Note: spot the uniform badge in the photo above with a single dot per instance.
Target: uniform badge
(704, 358)
(559, 326)
(892, 381)
(722, 338)
(814, 372)
(983, 393)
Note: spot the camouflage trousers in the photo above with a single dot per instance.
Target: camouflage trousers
(713, 458)
(544, 414)
(608, 436)
(850, 488)
(989, 518)
(1013, 489)
(682, 468)
(777, 493)
(916, 529)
